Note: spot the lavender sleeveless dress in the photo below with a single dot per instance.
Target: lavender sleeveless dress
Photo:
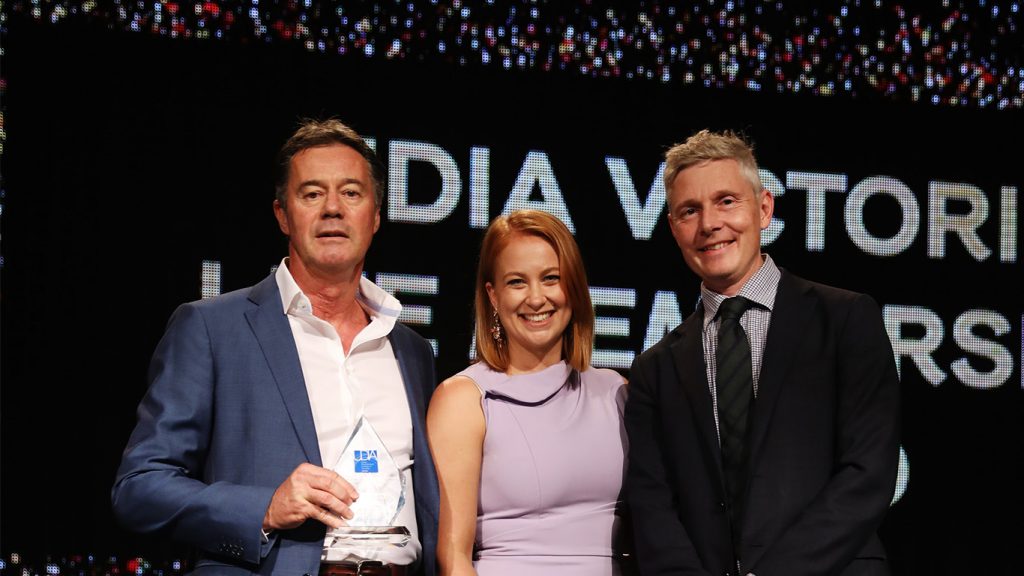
(553, 464)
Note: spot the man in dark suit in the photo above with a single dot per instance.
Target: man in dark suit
(763, 430)
(254, 394)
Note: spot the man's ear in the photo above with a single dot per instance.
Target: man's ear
(282, 217)
(767, 207)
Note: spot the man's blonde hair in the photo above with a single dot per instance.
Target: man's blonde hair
(705, 146)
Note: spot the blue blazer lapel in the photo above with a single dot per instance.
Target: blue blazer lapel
(274, 334)
(688, 355)
(414, 369)
(417, 369)
(794, 307)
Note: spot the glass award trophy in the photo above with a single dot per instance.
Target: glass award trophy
(369, 467)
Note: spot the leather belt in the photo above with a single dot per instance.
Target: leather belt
(364, 568)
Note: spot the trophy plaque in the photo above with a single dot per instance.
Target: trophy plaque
(368, 466)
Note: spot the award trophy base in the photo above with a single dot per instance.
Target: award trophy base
(350, 537)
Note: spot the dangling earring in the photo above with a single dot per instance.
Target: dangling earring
(496, 328)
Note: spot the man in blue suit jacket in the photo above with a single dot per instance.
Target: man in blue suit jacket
(250, 392)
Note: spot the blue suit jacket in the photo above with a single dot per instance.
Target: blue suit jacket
(227, 419)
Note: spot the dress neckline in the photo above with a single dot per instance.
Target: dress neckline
(533, 387)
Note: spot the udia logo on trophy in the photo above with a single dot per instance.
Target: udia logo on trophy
(365, 461)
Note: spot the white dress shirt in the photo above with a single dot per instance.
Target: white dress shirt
(366, 382)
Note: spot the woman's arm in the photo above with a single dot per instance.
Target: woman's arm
(455, 428)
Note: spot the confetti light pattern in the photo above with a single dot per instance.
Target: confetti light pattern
(948, 53)
(91, 565)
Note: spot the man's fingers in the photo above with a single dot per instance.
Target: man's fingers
(311, 492)
(330, 520)
(330, 481)
(331, 503)
(339, 484)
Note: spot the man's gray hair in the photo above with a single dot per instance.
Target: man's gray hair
(705, 146)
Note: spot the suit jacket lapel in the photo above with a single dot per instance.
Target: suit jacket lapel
(408, 366)
(415, 368)
(688, 355)
(274, 334)
(793, 308)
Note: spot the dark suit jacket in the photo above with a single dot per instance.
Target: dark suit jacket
(227, 419)
(823, 445)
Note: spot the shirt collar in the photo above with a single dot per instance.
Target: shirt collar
(383, 308)
(759, 288)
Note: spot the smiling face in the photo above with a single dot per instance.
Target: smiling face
(717, 220)
(527, 293)
(330, 214)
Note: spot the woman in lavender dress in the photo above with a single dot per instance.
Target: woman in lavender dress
(529, 442)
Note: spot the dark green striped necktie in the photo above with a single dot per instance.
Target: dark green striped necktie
(734, 388)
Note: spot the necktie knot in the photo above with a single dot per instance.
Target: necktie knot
(733, 308)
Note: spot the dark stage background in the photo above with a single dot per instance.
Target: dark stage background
(132, 159)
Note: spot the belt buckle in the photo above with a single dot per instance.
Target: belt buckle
(368, 564)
